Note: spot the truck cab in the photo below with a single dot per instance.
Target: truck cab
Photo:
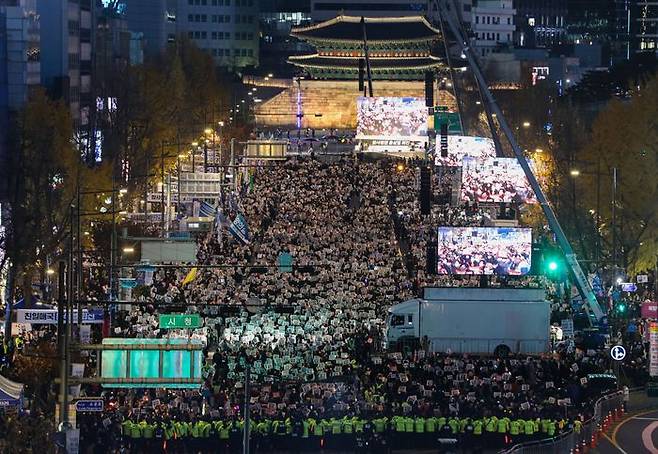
(402, 322)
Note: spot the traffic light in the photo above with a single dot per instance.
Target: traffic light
(553, 264)
(621, 308)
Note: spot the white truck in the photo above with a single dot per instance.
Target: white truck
(473, 320)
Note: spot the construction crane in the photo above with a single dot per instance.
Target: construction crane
(446, 10)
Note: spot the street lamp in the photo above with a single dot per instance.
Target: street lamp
(123, 191)
(207, 131)
(574, 172)
(538, 150)
(50, 271)
(128, 250)
(526, 124)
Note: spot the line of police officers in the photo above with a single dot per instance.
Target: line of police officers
(347, 433)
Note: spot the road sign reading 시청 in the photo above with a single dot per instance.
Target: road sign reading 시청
(175, 321)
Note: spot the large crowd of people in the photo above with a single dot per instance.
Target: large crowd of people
(311, 335)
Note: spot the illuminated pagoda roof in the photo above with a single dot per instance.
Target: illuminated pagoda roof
(378, 29)
(400, 48)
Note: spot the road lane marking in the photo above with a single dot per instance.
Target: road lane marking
(614, 443)
(616, 429)
(645, 419)
(646, 437)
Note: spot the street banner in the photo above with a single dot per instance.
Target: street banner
(649, 309)
(653, 349)
(49, 316)
(642, 278)
(239, 229)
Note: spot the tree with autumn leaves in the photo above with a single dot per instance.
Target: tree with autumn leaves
(574, 162)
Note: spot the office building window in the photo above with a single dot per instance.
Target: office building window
(237, 19)
(190, 35)
(250, 52)
(213, 35)
(509, 21)
(227, 19)
(204, 35)
(477, 19)
(236, 52)
(204, 18)
(190, 17)
(227, 35)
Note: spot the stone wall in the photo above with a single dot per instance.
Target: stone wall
(332, 104)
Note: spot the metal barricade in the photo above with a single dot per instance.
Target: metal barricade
(608, 406)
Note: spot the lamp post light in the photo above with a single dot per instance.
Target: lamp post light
(615, 176)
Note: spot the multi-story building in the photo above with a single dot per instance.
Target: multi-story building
(277, 18)
(66, 58)
(540, 23)
(492, 25)
(644, 29)
(226, 29)
(322, 10)
(156, 20)
(19, 62)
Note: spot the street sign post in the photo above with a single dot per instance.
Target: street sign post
(618, 353)
(183, 321)
(89, 405)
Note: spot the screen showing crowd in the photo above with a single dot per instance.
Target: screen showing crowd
(391, 117)
(484, 250)
(495, 180)
(461, 146)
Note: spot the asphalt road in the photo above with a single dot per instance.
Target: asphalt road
(637, 434)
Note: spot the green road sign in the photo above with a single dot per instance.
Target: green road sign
(174, 321)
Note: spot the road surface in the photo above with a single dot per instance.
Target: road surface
(637, 434)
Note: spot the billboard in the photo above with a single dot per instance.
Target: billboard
(50, 316)
(146, 364)
(460, 147)
(484, 250)
(495, 180)
(390, 117)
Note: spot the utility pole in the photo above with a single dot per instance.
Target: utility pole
(614, 221)
(162, 190)
(247, 403)
(366, 55)
(61, 344)
(79, 274)
(232, 164)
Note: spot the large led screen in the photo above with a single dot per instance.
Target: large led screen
(495, 180)
(484, 250)
(460, 147)
(386, 117)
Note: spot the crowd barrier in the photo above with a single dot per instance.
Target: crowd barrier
(607, 410)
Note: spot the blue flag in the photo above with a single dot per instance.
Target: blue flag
(239, 229)
(206, 210)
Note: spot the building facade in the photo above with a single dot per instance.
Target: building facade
(277, 18)
(226, 29)
(155, 20)
(19, 62)
(492, 26)
(540, 23)
(644, 29)
(322, 10)
(66, 57)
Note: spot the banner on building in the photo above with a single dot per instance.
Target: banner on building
(653, 349)
(50, 316)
